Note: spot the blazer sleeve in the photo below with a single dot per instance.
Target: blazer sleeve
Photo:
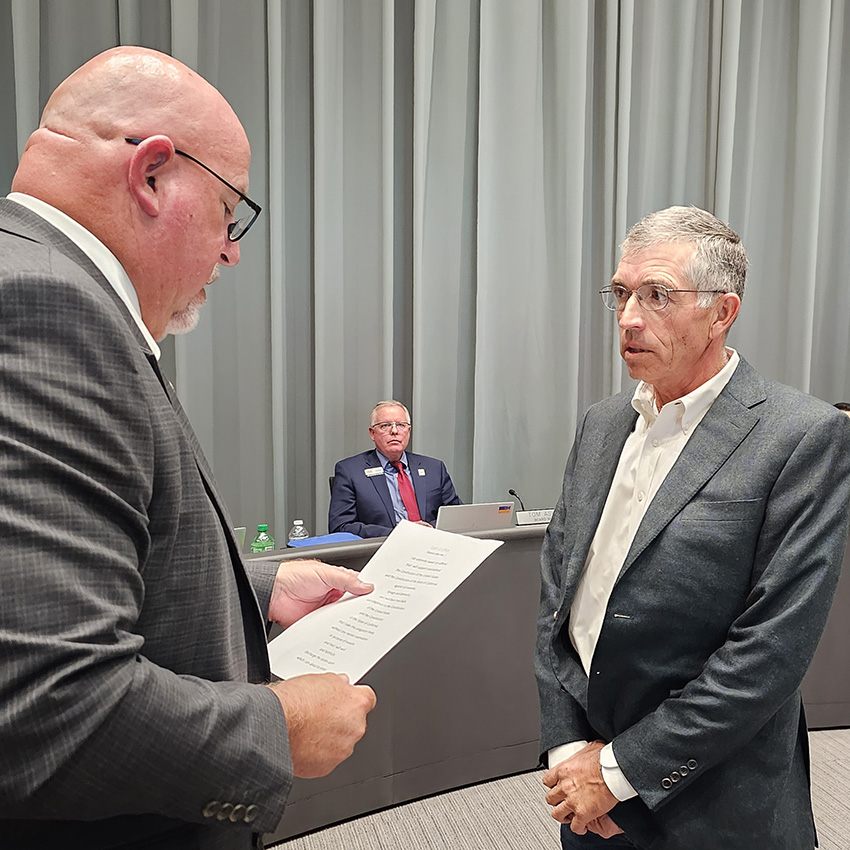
(769, 646)
(262, 574)
(343, 514)
(91, 727)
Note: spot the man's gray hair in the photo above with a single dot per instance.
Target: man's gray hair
(373, 416)
(719, 260)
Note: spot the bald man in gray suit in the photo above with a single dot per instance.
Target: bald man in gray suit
(688, 572)
(136, 706)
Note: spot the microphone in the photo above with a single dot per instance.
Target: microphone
(514, 493)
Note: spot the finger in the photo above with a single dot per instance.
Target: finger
(360, 588)
(373, 699)
(345, 580)
(562, 813)
(579, 824)
(550, 778)
(555, 796)
(344, 677)
(604, 827)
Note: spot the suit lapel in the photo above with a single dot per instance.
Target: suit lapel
(420, 483)
(721, 431)
(252, 618)
(601, 446)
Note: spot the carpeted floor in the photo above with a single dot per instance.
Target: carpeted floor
(510, 814)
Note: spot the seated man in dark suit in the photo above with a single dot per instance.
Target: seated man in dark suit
(369, 497)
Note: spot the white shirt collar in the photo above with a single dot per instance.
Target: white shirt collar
(97, 252)
(689, 408)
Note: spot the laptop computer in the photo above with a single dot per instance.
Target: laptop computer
(486, 516)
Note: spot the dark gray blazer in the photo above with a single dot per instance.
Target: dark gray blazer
(713, 620)
(128, 626)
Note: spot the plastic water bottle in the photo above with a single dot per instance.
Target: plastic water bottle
(263, 542)
(298, 532)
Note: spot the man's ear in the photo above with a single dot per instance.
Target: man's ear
(726, 311)
(145, 167)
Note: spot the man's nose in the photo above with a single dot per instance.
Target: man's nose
(632, 313)
(230, 254)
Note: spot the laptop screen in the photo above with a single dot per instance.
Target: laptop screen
(479, 517)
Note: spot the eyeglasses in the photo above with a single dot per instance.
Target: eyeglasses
(386, 427)
(650, 296)
(238, 228)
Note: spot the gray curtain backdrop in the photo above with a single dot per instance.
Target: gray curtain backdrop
(445, 183)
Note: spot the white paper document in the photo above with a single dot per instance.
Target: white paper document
(413, 572)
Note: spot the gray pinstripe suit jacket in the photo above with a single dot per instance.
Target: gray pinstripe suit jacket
(712, 622)
(128, 627)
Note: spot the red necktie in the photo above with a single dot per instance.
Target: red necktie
(405, 489)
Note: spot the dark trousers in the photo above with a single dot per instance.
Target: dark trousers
(571, 841)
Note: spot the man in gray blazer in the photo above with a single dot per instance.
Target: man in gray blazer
(688, 571)
(136, 709)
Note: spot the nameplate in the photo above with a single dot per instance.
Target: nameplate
(372, 471)
(534, 517)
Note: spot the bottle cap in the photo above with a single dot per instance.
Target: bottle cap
(263, 527)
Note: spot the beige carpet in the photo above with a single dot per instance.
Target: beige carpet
(510, 814)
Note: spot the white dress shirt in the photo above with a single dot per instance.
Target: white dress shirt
(96, 251)
(647, 457)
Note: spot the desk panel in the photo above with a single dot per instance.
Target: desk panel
(457, 701)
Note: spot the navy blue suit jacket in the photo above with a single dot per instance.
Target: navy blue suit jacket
(361, 503)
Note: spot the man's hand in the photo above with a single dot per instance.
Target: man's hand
(325, 718)
(604, 827)
(578, 793)
(302, 586)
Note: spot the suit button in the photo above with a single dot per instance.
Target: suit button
(675, 776)
(251, 814)
(666, 784)
(683, 769)
(238, 813)
(692, 764)
(211, 809)
(224, 811)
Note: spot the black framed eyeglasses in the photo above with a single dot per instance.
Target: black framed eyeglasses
(650, 296)
(238, 228)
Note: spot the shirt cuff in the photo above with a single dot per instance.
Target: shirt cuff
(617, 783)
(563, 751)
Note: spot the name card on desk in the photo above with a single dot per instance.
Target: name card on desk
(539, 517)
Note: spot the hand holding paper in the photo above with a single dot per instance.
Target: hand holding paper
(303, 586)
(413, 572)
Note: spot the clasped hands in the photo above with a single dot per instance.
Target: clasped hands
(578, 793)
(325, 714)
